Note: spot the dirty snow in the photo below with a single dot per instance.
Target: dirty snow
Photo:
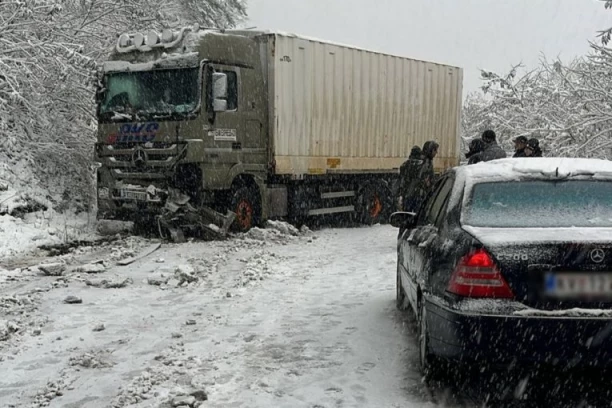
(275, 317)
(24, 235)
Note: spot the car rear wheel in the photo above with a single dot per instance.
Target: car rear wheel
(432, 367)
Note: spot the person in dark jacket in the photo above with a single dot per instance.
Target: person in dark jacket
(409, 171)
(492, 150)
(476, 146)
(533, 148)
(419, 186)
(520, 143)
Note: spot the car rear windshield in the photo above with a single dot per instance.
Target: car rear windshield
(519, 204)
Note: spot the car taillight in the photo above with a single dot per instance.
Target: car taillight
(477, 276)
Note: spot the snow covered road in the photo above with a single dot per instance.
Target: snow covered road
(269, 319)
(272, 320)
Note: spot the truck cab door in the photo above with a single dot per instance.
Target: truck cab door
(225, 127)
(236, 114)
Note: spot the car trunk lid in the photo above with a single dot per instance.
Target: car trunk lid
(553, 268)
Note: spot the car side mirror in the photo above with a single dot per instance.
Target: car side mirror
(219, 92)
(406, 220)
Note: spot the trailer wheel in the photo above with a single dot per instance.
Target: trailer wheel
(245, 203)
(375, 204)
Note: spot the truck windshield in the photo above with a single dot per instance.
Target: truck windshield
(150, 94)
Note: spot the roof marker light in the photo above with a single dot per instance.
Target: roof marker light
(167, 35)
(152, 38)
(138, 40)
(124, 40)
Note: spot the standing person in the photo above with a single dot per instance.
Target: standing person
(476, 146)
(520, 143)
(533, 148)
(492, 150)
(419, 186)
(408, 172)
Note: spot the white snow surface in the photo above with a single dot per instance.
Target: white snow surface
(20, 236)
(517, 236)
(514, 169)
(273, 318)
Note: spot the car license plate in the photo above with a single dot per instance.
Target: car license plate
(578, 285)
(133, 195)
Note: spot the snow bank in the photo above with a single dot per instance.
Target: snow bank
(20, 236)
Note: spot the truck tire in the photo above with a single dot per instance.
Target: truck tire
(247, 206)
(374, 204)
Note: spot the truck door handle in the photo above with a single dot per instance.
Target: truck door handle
(236, 146)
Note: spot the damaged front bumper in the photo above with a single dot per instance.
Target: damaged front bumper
(171, 208)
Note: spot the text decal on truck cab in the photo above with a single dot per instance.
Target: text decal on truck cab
(134, 133)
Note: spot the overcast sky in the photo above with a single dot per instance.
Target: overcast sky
(473, 34)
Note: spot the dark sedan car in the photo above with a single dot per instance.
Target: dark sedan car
(510, 262)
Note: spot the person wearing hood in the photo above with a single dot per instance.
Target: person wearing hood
(420, 185)
(476, 146)
(520, 143)
(408, 172)
(492, 150)
(532, 149)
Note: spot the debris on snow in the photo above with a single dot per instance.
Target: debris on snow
(53, 269)
(145, 252)
(52, 390)
(116, 282)
(91, 268)
(185, 274)
(73, 300)
(282, 227)
(140, 389)
(89, 360)
(187, 400)
(190, 322)
(100, 327)
(158, 279)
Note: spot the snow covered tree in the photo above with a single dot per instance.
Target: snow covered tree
(48, 54)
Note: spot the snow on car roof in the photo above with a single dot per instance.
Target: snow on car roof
(515, 169)
(545, 167)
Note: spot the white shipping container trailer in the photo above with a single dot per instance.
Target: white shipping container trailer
(340, 108)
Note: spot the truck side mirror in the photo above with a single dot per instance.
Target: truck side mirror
(219, 85)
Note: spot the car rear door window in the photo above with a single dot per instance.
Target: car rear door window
(436, 201)
(438, 204)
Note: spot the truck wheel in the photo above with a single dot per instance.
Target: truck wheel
(375, 204)
(245, 203)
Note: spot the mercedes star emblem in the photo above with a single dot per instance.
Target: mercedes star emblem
(139, 157)
(598, 255)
